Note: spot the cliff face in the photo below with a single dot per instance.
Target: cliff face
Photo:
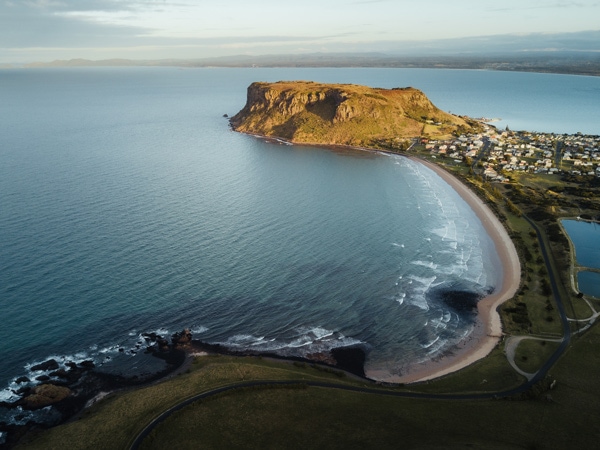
(308, 112)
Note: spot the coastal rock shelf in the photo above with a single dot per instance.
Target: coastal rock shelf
(344, 114)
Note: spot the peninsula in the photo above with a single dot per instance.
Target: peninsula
(345, 114)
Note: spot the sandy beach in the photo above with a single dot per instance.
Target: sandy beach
(488, 329)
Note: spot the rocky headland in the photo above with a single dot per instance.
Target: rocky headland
(345, 114)
(68, 387)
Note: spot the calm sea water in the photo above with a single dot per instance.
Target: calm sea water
(128, 205)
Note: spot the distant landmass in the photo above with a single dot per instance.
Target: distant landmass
(567, 62)
(344, 114)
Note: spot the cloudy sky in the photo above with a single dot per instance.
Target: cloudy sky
(44, 30)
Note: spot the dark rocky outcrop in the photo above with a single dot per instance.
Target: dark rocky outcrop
(51, 364)
(88, 364)
(182, 337)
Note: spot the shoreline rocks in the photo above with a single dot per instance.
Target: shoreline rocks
(69, 388)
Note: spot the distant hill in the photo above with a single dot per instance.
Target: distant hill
(344, 114)
(567, 62)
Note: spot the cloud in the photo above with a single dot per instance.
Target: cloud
(47, 23)
(200, 28)
(546, 6)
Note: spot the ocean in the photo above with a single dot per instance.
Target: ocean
(127, 205)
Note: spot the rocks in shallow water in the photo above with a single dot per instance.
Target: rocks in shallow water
(351, 359)
(71, 375)
(88, 364)
(51, 364)
(22, 380)
(182, 337)
(23, 391)
(461, 301)
(44, 395)
(60, 373)
(150, 337)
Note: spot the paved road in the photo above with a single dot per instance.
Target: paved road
(558, 154)
(483, 151)
(560, 306)
(251, 384)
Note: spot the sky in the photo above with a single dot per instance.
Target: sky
(45, 30)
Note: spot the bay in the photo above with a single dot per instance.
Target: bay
(128, 205)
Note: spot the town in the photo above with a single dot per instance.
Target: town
(498, 153)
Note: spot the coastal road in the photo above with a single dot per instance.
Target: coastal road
(566, 340)
(482, 152)
(317, 384)
(558, 154)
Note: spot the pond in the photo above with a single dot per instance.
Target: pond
(585, 237)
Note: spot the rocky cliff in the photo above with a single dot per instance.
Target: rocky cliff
(344, 114)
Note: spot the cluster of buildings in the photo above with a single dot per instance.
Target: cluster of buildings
(500, 152)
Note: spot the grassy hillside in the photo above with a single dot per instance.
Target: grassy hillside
(301, 417)
(344, 114)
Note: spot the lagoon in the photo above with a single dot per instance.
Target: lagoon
(585, 238)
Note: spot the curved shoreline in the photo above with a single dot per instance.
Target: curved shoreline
(488, 327)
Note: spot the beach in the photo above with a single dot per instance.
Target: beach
(488, 328)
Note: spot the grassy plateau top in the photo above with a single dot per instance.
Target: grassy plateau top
(344, 114)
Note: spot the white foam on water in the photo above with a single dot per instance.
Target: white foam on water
(436, 346)
(20, 416)
(263, 341)
(301, 342)
(198, 330)
(109, 349)
(439, 324)
(320, 333)
(428, 345)
(306, 340)
(400, 298)
(240, 340)
(418, 290)
(164, 332)
(7, 395)
(428, 264)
